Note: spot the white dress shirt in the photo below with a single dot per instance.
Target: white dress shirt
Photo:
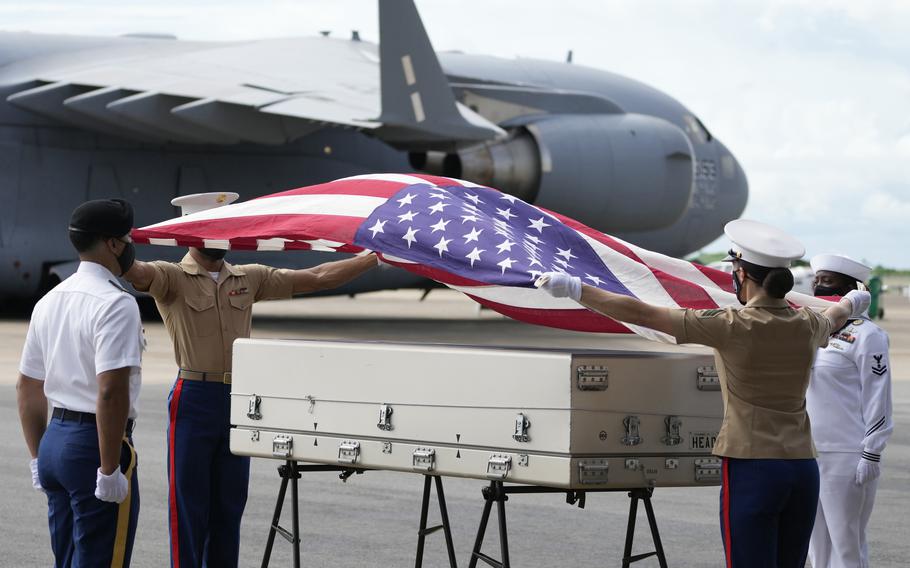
(85, 326)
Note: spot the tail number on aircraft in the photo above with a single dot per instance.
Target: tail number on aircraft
(702, 440)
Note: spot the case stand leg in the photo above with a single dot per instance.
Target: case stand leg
(423, 531)
(498, 493)
(495, 492)
(288, 473)
(627, 558)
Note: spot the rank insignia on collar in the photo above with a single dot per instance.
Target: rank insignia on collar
(238, 292)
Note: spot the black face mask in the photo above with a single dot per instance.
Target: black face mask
(126, 258)
(213, 254)
(827, 291)
(737, 288)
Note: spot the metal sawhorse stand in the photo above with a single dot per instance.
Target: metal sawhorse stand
(498, 493)
(290, 474)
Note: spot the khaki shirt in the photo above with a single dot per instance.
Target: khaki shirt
(764, 355)
(204, 317)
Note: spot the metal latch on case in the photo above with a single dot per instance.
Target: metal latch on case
(521, 428)
(708, 379)
(632, 437)
(594, 470)
(672, 437)
(348, 451)
(707, 469)
(592, 377)
(282, 446)
(385, 417)
(253, 411)
(498, 466)
(424, 459)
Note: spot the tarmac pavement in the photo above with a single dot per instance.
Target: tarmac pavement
(372, 519)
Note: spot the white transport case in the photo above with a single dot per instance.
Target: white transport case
(550, 417)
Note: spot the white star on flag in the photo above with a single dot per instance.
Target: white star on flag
(406, 200)
(472, 236)
(409, 236)
(473, 198)
(474, 255)
(566, 254)
(507, 263)
(505, 246)
(562, 263)
(443, 245)
(466, 218)
(533, 239)
(507, 197)
(438, 207)
(438, 195)
(538, 224)
(507, 213)
(377, 228)
(409, 216)
(597, 281)
(534, 261)
(440, 226)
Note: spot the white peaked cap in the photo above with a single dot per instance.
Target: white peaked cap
(197, 202)
(841, 265)
(762, 244)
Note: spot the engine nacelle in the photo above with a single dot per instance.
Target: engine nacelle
(614, 172)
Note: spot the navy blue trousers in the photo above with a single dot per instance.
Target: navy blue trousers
(85, 531)
(207, 485)
(767, 510)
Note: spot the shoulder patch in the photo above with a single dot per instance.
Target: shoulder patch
(708, 313)
(879, 367)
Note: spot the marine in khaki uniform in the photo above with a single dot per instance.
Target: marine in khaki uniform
(764, 355)
(206, 304)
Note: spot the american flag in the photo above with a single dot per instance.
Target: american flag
(490, 245)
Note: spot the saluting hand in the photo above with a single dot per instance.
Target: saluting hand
(560, 285)
(860, 300)
(112, 488)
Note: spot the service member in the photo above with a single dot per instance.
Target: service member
(849, 403)
(764, 355)
(206, 304)
(82, 354)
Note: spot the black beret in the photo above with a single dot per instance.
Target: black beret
(106, 217)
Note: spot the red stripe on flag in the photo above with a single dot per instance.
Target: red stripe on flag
(580, 319)
(719, 277)
(172, 482)
(365, 187)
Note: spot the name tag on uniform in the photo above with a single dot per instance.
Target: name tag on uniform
(238, 292)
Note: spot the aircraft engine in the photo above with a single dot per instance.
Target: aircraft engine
(614, 172)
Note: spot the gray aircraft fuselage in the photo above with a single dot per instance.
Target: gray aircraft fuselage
(604, 168)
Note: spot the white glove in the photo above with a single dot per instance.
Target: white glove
(860, 301)
(36, 482)
(867, 471)
(560, 285)
(112, 488)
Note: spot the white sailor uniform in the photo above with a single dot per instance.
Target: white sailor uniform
(849, 405)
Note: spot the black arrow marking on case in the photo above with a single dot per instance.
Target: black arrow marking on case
(315, 441)
(458, 454)
(315, 424)
(457, 437)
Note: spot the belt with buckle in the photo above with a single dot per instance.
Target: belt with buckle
(68, 415)
(205, 376)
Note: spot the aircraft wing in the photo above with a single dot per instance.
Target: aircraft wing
(267, 92)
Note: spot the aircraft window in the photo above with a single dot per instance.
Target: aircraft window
(697, 129)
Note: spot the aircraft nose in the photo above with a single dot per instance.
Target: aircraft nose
(734, 187)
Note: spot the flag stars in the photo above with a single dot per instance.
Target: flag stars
(406, 200)
(473, 235)
(440, 226)
(539, 224)
(533, 239)
(471, 218)
(409, 216)
(507, 213)
(438, 207)
(505, 246)
(534, 262)
(473, 198)
(439, 195)
(474, 255)
(597, 281)
(562, 263)
(377, 228)
(507, 197)
(566, 254)
(442, 246)
(507, 263)
(410, 237)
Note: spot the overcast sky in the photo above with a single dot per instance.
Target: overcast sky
(812, 96)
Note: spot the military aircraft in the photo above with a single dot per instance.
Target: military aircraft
(149, 118)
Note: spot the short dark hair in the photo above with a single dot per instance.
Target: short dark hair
(84, 241)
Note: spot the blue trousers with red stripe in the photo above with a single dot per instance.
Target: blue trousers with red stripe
(767, 510)
(207, 485)
(85, 531)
